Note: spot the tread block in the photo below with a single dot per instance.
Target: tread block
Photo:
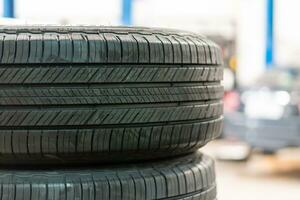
(69, 145)
(104, 45)
(173, 179)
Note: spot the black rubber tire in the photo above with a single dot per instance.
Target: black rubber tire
(191, 177)
(103, 94)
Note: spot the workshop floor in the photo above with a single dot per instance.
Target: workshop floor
(262, 177)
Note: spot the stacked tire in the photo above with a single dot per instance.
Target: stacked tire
(107, 113)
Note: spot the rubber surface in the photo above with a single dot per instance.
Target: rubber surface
(59, 44)
(103, 94)
(191, 177)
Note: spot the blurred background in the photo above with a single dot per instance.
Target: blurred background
(258, 154)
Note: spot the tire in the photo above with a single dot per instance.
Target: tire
(186, 178)
(103, 94)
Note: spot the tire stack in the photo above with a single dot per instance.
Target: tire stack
(107, 113)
